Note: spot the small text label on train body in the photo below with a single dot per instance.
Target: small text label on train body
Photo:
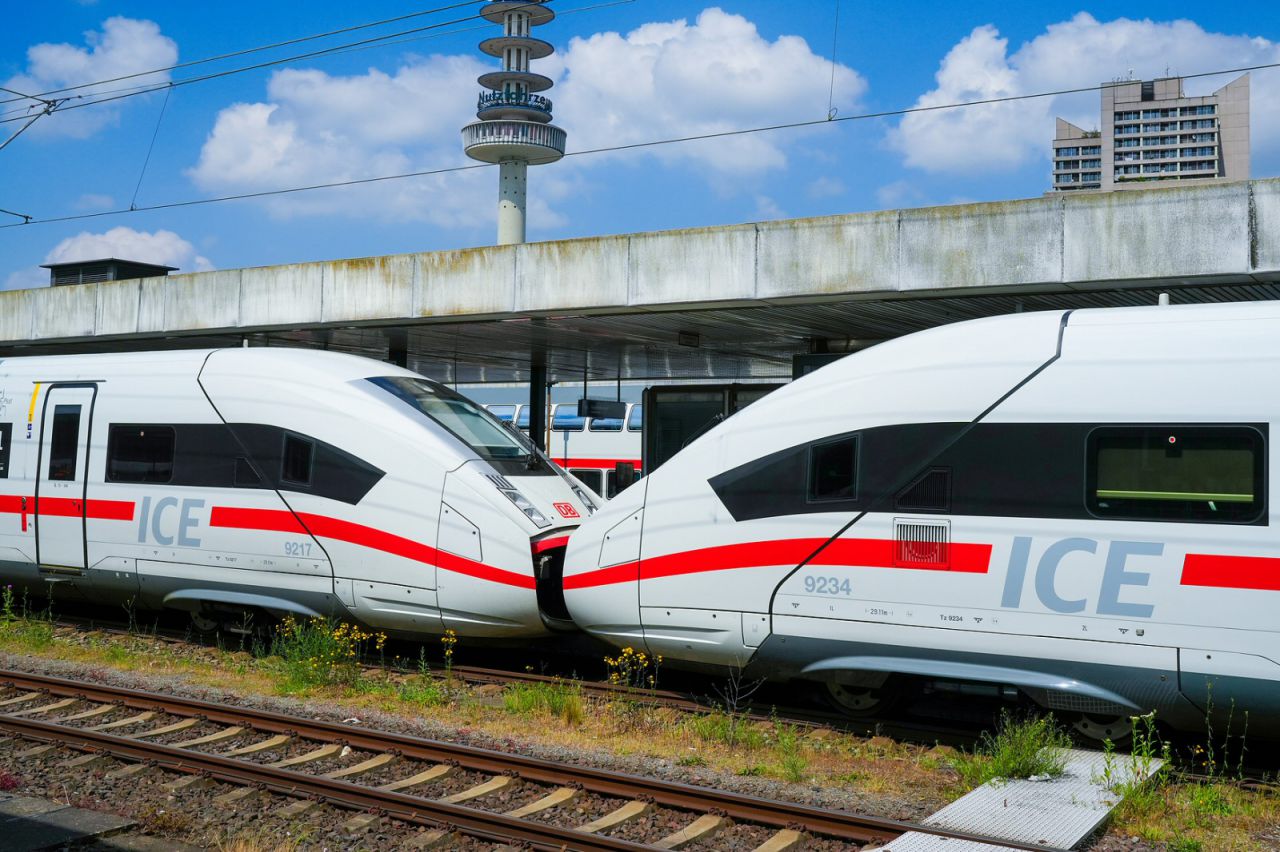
(1116, 575)
(162, 526)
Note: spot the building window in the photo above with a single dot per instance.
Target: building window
(833, 469)
(295, 465)
(64, 443)
(1175, 473)
(1068, 152)
(1130, 115)
(1091, 177)
(1091, 149)
(140, 453)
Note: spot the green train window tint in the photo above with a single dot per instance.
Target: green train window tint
(1177, 473)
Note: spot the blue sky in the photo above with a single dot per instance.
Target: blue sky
(643, 70)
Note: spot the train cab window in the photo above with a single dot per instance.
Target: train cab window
(64, 443)
(295, 464)
(505, 413)
(590, 477)
(833, 470)
(139, 453)
(6, 435)
(1176, 473)
(566, 419)
(605, 424)
(635, 420)
(465, 420)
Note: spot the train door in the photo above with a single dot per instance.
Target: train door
(62, 477)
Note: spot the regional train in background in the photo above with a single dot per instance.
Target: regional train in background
(278, 480)
(1073, 506)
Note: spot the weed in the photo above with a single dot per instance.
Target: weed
(449, 640)
(21, 627)
(751, 771)
(727, 728)
(319, 652)
(633, 668)
(794, 763)
(165, 822)
(559, 700)
(1185, 844)
(1024, 748)
(692, 760)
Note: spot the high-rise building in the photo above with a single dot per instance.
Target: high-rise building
(1151, 131)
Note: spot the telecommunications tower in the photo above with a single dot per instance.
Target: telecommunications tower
(515, 127)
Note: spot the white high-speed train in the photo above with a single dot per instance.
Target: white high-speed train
(278, 480)
(1075, 505)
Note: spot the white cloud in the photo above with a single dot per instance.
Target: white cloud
(1079, 52)
(93, 201)
(124, 46)
(667, 80)
(767, 209)
(826, 187)
(162, 247)
(660, 80)
(899, 193)
(25, 279)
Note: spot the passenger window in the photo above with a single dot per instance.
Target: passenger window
(140, 453)
(505, 413)
(522, 420)
(606, 424)
(635, 420)
(6, 434)
(833, 468)
(295, 466)
(1176, 473)
(566, 419)
(64, 443)
(590, 478)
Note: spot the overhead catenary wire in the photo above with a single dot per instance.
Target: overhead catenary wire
(817, 122)
(133, 91)
(242, 52)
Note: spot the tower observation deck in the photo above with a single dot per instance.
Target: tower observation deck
(514, 127)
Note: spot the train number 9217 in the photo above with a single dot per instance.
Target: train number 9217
(297, 548)
(827, 586)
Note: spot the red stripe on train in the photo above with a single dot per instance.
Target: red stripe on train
(281, 520)
(606, 463)
(853, 552)
(1232, 572)
(70, 507)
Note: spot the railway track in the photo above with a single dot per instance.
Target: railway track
(806, 717)
(409, 779)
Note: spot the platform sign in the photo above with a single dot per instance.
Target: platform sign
(606, 409)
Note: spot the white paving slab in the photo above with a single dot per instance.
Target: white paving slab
(1060, 813)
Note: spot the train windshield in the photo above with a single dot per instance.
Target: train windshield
(465, 420)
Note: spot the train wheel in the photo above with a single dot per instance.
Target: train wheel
(1097, 729)
(205, 623)
(860, 701)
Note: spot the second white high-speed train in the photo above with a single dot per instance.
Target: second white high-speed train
(1075, 505)
(278, 480)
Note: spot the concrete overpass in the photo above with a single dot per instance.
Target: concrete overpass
(735, 301)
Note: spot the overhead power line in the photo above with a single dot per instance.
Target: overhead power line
(243, 52)
(818, 122)
(67, 103)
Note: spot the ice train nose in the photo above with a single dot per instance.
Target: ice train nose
(602, 570)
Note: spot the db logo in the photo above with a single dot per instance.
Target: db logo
(566, 510)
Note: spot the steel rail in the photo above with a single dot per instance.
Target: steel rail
(831, 823)
(400, 806)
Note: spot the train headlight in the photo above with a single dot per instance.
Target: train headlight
(586, 501)
(523, 504)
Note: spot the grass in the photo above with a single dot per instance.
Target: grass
(320, 652)
(557, 700)
(22, 627)
(1020, 748)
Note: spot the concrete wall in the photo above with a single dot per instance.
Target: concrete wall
(1216, 232)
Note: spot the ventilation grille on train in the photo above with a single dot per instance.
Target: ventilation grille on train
(501, 482)
(922, 544)
(930, 493)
